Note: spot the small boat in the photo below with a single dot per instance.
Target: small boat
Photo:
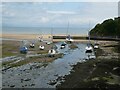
(63, 45)
(41, 47)
(89, 49)
(48, 43)
(41, 39)
(32, 45)
(96, 46)
(51, 52)
(23, 49)
(69, 39)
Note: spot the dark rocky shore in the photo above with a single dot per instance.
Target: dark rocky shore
(101, 73)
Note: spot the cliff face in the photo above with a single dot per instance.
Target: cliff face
(109, 28)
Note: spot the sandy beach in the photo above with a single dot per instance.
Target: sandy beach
(30, 36)
(23, 36)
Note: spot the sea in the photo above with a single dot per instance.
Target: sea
(45, 30)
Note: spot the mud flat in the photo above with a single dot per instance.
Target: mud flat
(101, 73)
(36, 72)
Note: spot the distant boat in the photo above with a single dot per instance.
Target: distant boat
(96, 45)
(63, 45)
(23, 49)
(51, 52)
(41, 38)
(41, 47)
(48, 42)
(51, 41)
(32, 45)
(69, 39)
(89, 48)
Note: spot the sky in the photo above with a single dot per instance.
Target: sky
(56, 14)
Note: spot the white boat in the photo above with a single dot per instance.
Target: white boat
(41, 38)
(63, 45)
(96, 46)
(52, 52)
(41, 47)
(32, 45)
(89, 48)
(48, 43)
(69, 39)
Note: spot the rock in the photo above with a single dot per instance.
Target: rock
(12, 85)
(32, 85)
(27, 79)
(53, 82)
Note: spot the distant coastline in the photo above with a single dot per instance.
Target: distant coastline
(44, 30)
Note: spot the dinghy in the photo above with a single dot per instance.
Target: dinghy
(89, 48)
(69, 39)
(23, 49)
(96, 45)
(51, 52)
(41, 47)
(41, 39)
(63, 45)
(32, 45)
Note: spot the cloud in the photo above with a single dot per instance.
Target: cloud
(60, 0)
(46, 14)
(61, 12)
(32, 0)
(44, 19)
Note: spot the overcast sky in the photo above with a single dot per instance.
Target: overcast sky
(52, 14)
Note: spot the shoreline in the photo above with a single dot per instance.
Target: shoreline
(45, 37)
(31, 36)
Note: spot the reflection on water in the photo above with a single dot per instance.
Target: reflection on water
(24, 76)
(90, 55)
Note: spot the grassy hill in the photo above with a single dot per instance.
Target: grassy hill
(108, 28)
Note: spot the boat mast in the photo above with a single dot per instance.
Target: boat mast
(67, 29)
(89, 32)
(52, 34)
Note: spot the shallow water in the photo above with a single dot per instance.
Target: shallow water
(24, 76)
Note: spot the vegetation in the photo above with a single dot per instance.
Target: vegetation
(109, 28)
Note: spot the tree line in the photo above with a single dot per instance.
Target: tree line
(108, 28)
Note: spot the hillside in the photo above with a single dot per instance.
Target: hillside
(108, 28)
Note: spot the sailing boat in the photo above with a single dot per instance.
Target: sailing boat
(49, 42)
(89, 48)
(96, 45)
(32, 45)
(68, 38)
(63, 45)
(41, 38)
(52, 51)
